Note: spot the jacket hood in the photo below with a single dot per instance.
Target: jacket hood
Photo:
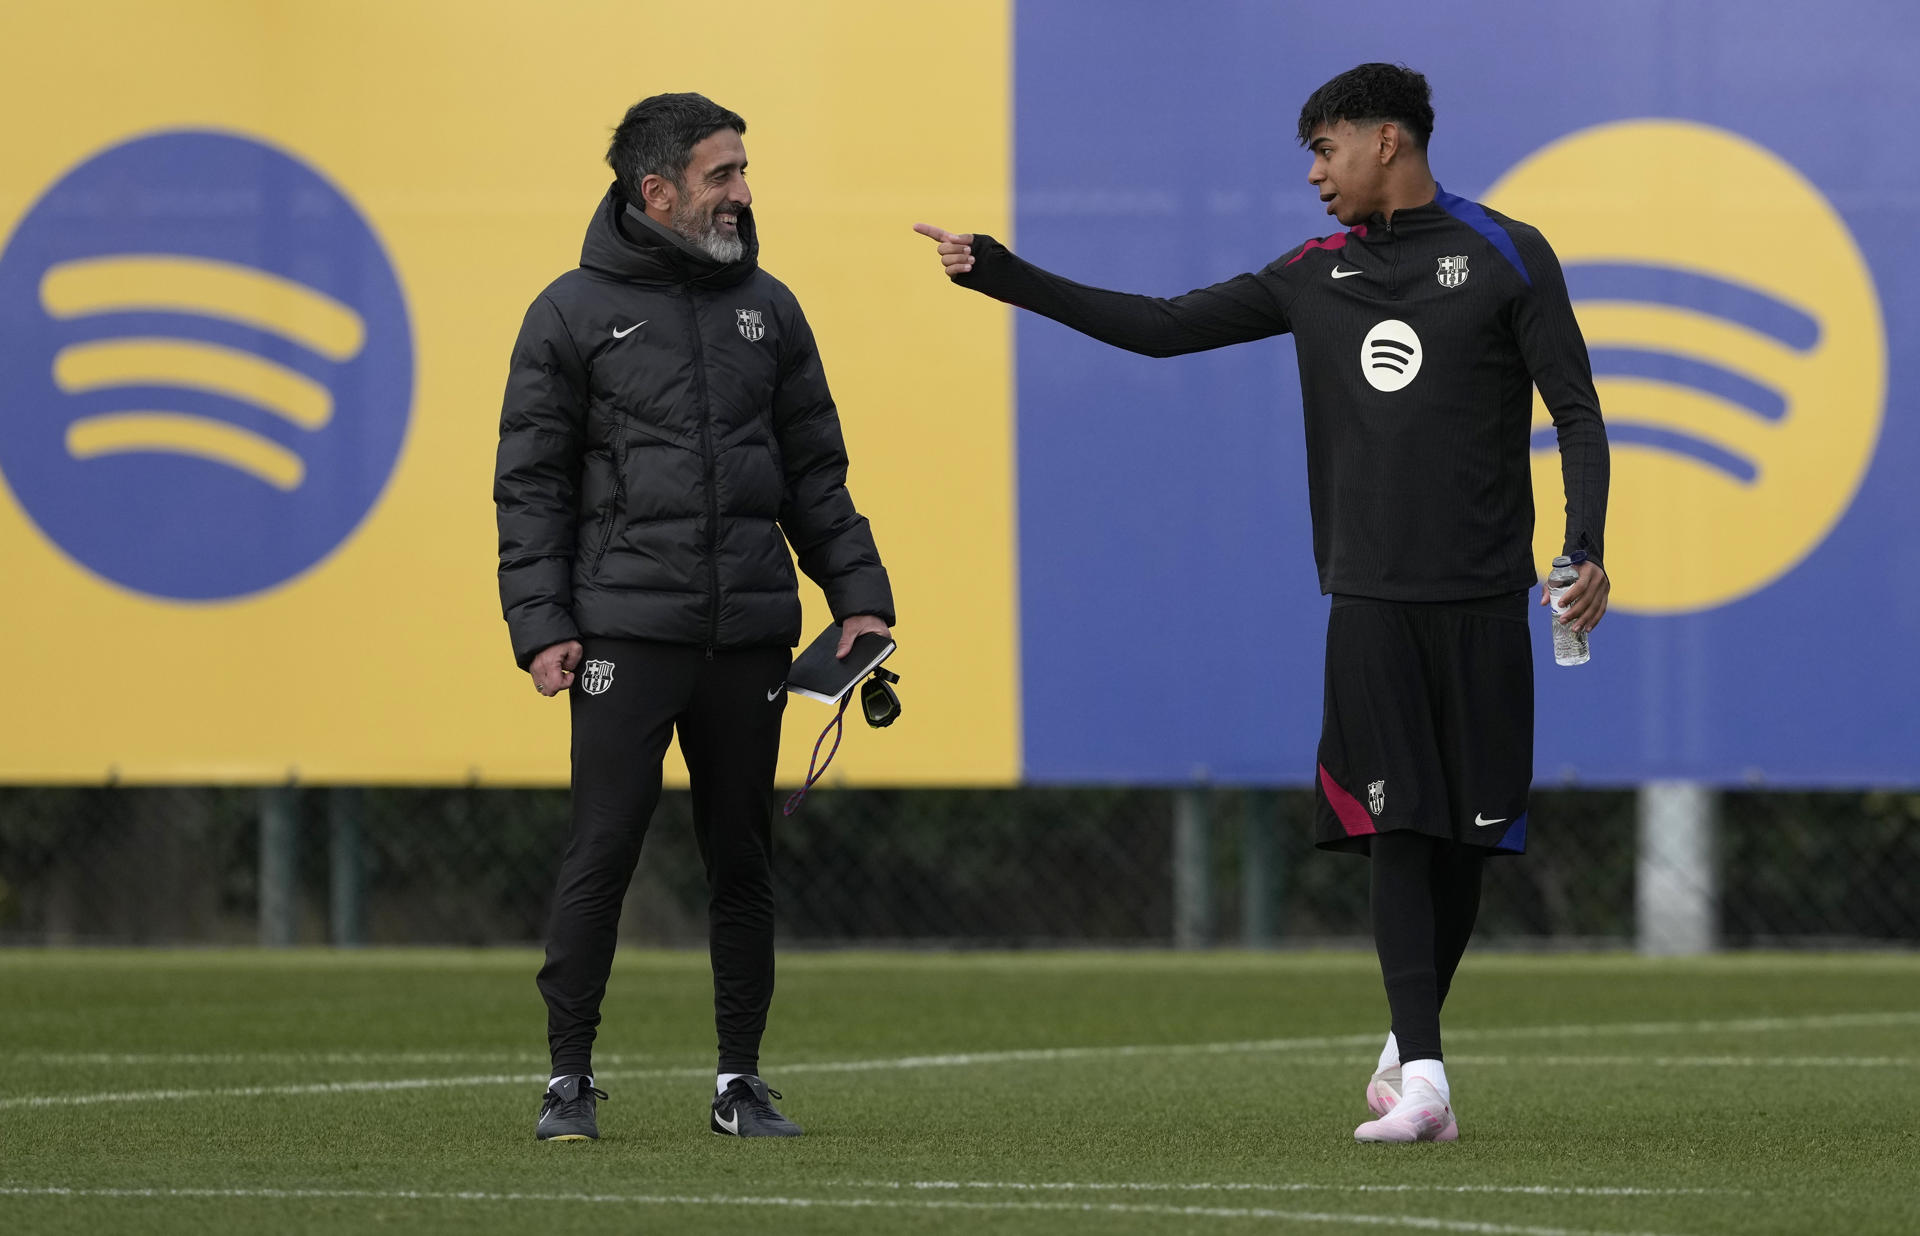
(622, 241)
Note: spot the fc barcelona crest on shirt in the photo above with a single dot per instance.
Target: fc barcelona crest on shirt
(1377, 790)
(1452, 272)
(596, 676)
(751, 327)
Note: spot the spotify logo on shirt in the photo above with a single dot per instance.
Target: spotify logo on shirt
(209, 367)
(1390, 355)
(1737, 346)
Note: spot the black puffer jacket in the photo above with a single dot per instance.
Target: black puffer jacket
(667, 419)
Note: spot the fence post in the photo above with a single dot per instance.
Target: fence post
(347, 871)
(1192, 869)
(1258, 867)
(279, 877)
(1677, 884)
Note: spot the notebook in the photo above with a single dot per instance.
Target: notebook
(819, 675)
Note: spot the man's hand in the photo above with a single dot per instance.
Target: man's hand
(1585, 599)
(856, 626)
(553, 667)
(956, 250)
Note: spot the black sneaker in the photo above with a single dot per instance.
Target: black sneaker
(566, 1112)
(745, 1109)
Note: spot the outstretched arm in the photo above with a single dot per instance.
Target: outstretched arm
(1242, 309)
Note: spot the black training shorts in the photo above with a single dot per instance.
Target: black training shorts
(1428, 723)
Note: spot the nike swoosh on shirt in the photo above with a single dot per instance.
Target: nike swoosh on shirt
(1344, 274)
(775, 693)
(622, 334)
(1485, 822)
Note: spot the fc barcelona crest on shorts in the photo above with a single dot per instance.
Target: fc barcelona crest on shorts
(597, 676)
(1376, 796)
(751, 327)
(1452, 272)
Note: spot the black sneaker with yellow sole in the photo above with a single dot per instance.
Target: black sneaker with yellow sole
(745, 1109)
(567, 1111)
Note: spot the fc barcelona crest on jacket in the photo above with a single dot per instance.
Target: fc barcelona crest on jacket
(1377, 791)
(596, 677)
(1452, 272)
(752, 328)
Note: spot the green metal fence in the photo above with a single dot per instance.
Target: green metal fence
(1038, 866)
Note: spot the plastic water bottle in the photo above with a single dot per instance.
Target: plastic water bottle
(1569, 645)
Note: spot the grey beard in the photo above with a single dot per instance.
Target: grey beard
(709, 241)
(721, 248)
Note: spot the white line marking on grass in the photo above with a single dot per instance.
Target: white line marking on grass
(1036, 1055)
(1052, 1055)
(1420, 1222)
(943, 1060)
(380, 1086)
(150, 1059)
(251, 1092)
(1670, 1062)
(1135, 1186)
(1738, 1025)
(1707, 1062)
(509, 1057)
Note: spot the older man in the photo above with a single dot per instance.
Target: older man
(667, 434)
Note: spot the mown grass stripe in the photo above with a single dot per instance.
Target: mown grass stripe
(1417, 1222)
(1141, 1186)
(1021, 1056)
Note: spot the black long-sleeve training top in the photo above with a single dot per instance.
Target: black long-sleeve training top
(1420, 343)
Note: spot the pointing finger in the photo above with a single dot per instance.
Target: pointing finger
(943, 235)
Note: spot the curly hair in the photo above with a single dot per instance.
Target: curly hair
(1372, 94)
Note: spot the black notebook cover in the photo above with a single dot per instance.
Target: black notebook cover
(819, 675)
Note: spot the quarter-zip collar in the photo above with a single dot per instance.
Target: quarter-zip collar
(1407, 219)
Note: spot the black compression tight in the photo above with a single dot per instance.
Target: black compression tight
(1425, 894)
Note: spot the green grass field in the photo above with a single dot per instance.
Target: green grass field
(1025, 1093)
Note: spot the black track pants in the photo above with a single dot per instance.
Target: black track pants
(1425, 894)
(628, 698)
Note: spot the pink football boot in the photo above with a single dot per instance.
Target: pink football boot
(1383, 1090)
(1419, 1116)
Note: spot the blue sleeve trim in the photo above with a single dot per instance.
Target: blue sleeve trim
(1471, 214)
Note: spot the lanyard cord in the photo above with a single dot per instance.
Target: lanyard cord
(836, 727)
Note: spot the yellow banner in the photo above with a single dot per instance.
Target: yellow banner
(260, 269)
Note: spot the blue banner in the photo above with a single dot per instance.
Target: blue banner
(1734, 196)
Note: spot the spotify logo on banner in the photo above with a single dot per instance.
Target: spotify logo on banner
(1737, 348)
(208, 370)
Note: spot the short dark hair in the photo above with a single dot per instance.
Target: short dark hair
(657, 136)
(1372, 93)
